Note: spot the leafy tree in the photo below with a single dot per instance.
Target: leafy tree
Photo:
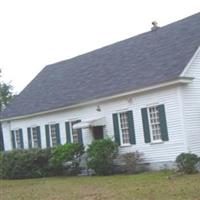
(6, 95)
(1, 139)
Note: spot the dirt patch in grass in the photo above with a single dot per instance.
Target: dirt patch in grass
(146, 186)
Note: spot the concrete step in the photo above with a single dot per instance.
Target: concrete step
(86, 172)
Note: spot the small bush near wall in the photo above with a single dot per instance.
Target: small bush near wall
(101, 154)
(131, 162)
(186, 162)
(25, 163)
(66, 158)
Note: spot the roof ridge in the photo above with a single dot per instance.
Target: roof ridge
(121, 41)
(127, 65)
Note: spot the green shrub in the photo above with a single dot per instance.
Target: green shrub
(1, 165)
(34, 163)
(131, 162)
(25, 163)
(100, 156)
(66, 158)
(186, 162)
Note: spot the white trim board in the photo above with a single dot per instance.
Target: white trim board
(190, 62)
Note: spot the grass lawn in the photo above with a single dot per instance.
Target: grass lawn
(147, 186)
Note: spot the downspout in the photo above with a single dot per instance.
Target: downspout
(182, 117)
(9, 132)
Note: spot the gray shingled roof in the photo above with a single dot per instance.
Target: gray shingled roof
(140, 61)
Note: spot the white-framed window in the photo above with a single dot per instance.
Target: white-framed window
(124, 128)
(74, 132)
(154, 123)
(53, 135)
(17, 138)
(52, 131)
(34, 135)
(34, 138)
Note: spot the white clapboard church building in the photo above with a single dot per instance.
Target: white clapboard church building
(143, 92)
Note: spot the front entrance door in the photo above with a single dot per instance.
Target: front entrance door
(97, 132)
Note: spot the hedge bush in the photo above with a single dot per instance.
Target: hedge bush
(25, 163)
(100, 156)
(35, 163)
(186, 162)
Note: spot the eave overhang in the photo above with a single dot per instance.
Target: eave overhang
(173, 82)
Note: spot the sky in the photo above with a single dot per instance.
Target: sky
(35, 33)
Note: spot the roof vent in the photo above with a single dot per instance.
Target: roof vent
(155, 26)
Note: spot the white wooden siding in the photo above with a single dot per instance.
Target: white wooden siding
(191, 105)
(166, 151)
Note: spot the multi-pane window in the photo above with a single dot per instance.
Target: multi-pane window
(125, 135)
(74, 132)
(154, 121)
(53, 135)
(35, 137)
(17, 139)
(52, 132)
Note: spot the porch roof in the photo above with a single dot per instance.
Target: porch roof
(90, 123)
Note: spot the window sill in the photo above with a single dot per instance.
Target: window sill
(157, 142)
(125, 145)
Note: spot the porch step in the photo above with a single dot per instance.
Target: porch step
(84, 168)
(86, 172)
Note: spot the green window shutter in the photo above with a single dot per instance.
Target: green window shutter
(47, 135)
(80, 136)
(68, 132)
(13, 139)
(21, 138)
(131, 127)
(163, 123)
(145, 121)
(29, 138)
(116, 128)
(57, 133)
(39, 137)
